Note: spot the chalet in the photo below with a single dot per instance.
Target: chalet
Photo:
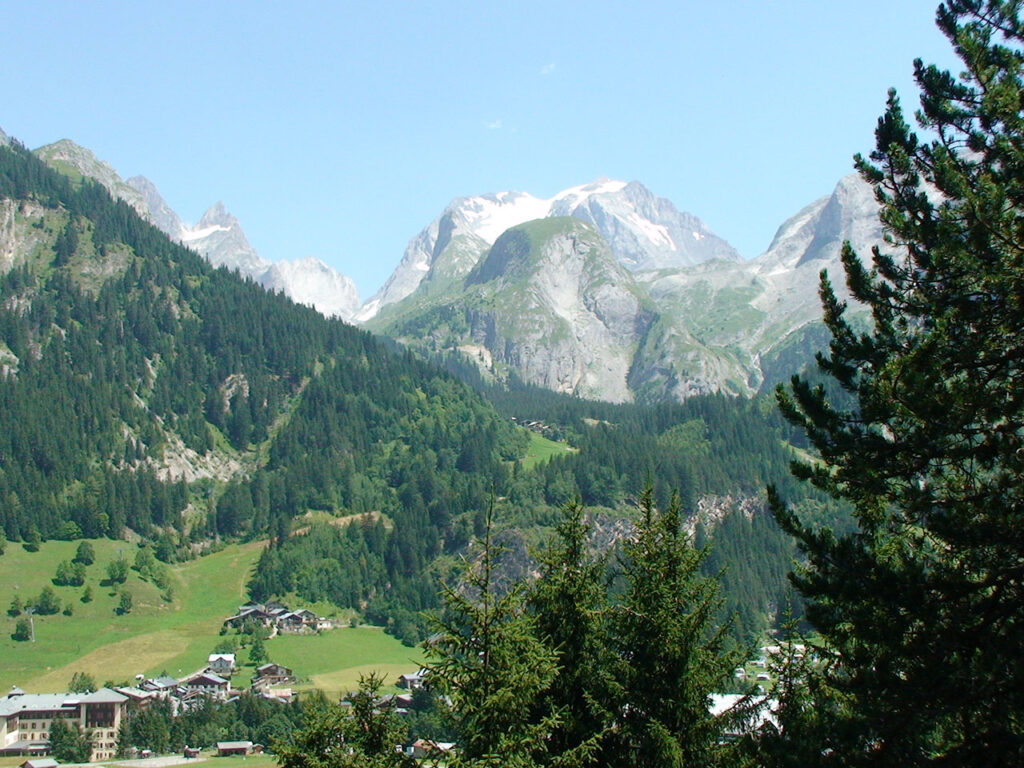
(290, 621)
(274, 614)
(207, 684)
(272, 674)
(25, 720)
(137, 697)
(190, 753)
(39, 762)
(281, 695)
(764, 711)
(428, 748)
(221, 663)
(412, 681)
(251, 613)
(162, 686)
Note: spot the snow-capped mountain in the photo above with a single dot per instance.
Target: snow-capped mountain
(330, 292)
(218, 236)
(684, 322)
(643, 231)
(603, 290)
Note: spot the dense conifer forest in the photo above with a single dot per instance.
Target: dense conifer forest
(145, 391)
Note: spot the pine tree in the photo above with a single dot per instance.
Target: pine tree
(487, 659)
(671, 658)
(920, 606)
(331, 737)
(569, 602)
(68, 744)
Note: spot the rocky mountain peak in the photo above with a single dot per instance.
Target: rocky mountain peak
(160, 213)
(644, 232)
(70, 158)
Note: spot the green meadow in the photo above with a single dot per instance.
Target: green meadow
(541, 449)
(160, 635)
(334, 660)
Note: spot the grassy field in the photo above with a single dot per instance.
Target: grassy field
(541, 449)
(333, 661)
(158, 636)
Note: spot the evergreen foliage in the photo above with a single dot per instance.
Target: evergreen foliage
(920, 606)
(249, 717)
(67, 743)
(488, 660)
(669, 656)
(331, 737)
(22, 630)
(569, 603)
(581, 674)
(82, 682)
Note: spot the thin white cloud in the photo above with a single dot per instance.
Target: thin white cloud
(493, 125)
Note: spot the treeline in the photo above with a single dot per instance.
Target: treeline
(248, 717)
(125, 353)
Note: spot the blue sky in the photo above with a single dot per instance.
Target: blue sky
(339, 130)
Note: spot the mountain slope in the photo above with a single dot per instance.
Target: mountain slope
(218, 236)
(709, 322)
(643, 232)
(548, 303)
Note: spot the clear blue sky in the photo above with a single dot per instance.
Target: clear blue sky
(339, 130)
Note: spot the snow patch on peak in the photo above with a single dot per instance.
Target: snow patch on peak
(576, 195)
(490, 215)
(190, 235)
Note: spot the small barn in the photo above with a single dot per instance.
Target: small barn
(234, 748)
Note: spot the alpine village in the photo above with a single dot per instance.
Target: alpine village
(583, 489)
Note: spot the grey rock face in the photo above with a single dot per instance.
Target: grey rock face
(549, 303)
(218, 236)
(667, 322)
(644, 232)
(160, 213)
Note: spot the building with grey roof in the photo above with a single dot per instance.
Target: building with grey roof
(26, 718)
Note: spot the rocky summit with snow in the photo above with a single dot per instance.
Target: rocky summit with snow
(218, 236)
(700, 318)
(602, 291)
(643, 231)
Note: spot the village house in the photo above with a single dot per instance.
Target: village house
(272, 674)
(39, 762)
(162, 686)
(26, 719)
(222, 664)
(422, 748)
(274, 615)
(412, 681)
(206, 684)
(225, 748)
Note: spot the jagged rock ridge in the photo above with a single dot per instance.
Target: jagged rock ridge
(643, 232)
(218, 236)
(702, 321)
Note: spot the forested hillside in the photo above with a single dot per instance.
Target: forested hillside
(144, 393)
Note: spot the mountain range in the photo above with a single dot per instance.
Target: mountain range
(604, 291)
(148, 394)
(608, 292)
